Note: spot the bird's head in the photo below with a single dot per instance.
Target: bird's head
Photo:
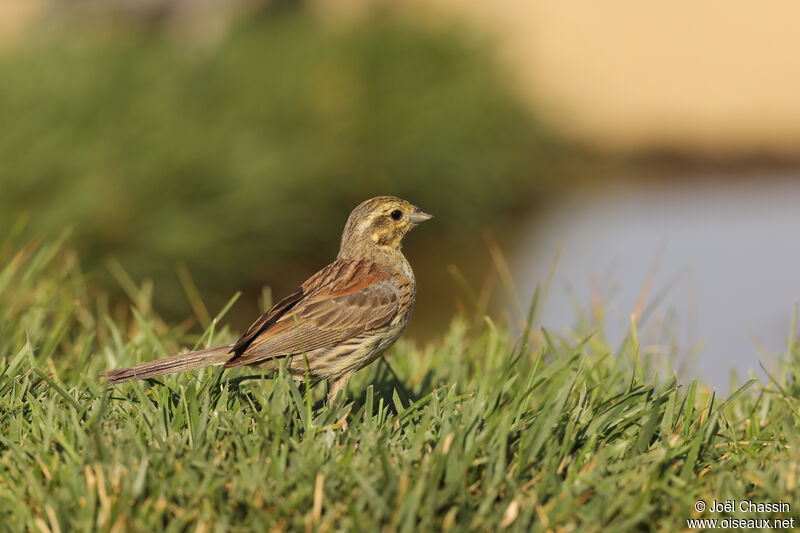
(379, 223)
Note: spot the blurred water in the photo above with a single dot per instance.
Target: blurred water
(731, 246)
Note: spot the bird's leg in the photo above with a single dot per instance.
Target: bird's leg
(337, 386)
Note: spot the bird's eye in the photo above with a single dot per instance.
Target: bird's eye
(396, 214)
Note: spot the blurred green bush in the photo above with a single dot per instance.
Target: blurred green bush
(242, 155)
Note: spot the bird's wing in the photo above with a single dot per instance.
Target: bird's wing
(266, 320)
(341, 301)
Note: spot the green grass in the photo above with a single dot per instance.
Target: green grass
(479, 430)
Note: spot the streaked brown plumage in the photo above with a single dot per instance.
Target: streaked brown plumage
(341, 319)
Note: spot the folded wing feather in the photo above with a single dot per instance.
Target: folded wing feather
(341, 301)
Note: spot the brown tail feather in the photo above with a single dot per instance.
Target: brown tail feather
(170, 365)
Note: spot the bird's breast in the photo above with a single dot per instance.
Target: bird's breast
(407, 288)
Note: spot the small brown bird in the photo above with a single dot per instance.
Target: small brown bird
(339, 321)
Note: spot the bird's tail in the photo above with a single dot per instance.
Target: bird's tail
(170, 365)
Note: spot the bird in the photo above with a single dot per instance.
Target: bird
(340, 320)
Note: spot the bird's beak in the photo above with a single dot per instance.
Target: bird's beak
(418, 215)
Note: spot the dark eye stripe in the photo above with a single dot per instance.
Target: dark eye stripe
(396, 214)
